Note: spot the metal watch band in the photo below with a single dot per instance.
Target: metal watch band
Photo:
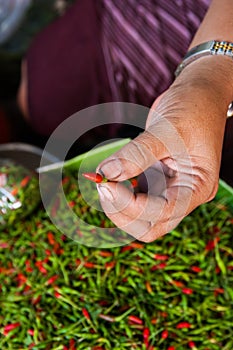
(209, 48)
(212, 47)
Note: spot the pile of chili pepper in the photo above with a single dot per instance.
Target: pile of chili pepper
(173, 294)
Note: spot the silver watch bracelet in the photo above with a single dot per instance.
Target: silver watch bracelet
(212, 47)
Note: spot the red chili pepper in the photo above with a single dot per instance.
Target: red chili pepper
(146, 335)
(72, 204)
(26, 289)
(28, 266)
(196, 269)
(135, 319)
(48, 252)
(21, 279)
(72, 344)
(158, 266)
(42, 270)
(110, 264)
(134, 182)
(50, 237)
(126, 248)
(45, 260)
(52, 279)
(89, 264)
(15, 191)
(136, 245)
(94, 177)
(30, 332)
(36, 300)
(191, 344)
(211, 244)
(105, 253)
(218, 291)
(187, 291)
(60, 251)
(85, 313)
(178, 283)
(161, 257)
(153, 321)
(57, 294)
(164, 334)
(183, 325)
(24, 181)
(171, 348)
(40, 266)
(10, 327)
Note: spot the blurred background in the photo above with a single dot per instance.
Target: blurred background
(20, 21)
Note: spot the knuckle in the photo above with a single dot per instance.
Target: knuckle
(137, 153)
(206, 184)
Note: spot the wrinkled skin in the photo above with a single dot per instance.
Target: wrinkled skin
(181, 150)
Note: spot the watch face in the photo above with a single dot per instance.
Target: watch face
(11, 15)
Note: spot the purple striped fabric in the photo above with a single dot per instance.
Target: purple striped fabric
(107, 50)
(143, 42)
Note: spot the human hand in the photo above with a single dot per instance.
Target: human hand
(179, 153)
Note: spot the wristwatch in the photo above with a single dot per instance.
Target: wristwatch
(212, 47)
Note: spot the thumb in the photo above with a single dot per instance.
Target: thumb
(132, 159)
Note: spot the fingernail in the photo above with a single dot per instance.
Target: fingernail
(105, 193)
(111, 169)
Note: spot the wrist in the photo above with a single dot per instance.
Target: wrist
(211, 74)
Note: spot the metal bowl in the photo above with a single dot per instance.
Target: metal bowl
(25, 154)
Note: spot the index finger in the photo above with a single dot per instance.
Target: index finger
(152, 215)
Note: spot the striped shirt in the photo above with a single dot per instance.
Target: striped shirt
(143, 42)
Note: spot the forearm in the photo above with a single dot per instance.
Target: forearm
(216, 71)
(217, 24)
